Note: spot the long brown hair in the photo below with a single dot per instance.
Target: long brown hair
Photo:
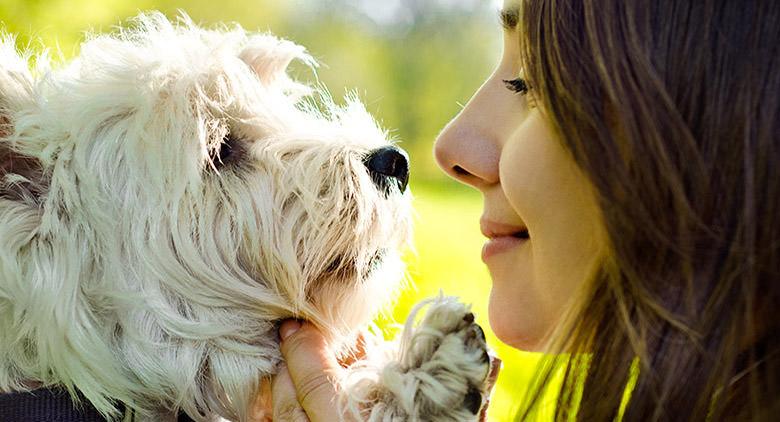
(672, 109)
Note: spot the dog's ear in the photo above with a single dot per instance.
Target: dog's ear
(21, 174)
(269, 57)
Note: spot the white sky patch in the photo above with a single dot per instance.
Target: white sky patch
(461, 4)
(393, 12)
(387, 12)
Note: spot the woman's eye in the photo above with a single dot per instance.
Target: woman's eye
(516, 85)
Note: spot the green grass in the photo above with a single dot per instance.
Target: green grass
(447, 259)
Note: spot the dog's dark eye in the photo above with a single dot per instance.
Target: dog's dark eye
(229, 151)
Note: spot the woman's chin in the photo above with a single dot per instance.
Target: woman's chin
(517, 329)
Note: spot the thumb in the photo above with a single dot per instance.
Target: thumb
(312, 367)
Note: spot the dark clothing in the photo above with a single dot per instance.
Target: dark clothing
(49, 405)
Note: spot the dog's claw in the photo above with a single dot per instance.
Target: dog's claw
(473, 401)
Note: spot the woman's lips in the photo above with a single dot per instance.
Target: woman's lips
(501, 237)
(500, 244)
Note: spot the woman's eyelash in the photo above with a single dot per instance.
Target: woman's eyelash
(516, 85)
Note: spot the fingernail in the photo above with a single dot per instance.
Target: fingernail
(288, 328)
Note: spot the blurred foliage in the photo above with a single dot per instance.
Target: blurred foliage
(413, 63)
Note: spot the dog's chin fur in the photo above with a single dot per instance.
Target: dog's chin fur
(140, 267)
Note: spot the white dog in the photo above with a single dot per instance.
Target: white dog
(169, 196)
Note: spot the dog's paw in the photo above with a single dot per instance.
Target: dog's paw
(444, 371)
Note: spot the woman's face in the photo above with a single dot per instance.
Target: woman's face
(540, 214)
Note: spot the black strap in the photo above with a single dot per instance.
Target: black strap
(45, 405)
(50, 405)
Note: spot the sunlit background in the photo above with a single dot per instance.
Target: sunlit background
(414, 63)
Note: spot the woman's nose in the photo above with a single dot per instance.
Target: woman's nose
(467, 149)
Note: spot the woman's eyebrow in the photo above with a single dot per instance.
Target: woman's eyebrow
(509, 17)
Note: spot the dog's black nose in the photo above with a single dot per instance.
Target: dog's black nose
(388, 165)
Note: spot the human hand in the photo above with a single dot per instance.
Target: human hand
(305, 387)
(443, 363)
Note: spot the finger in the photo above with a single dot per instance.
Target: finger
(312, 367)
(285, 401)
(262, 408)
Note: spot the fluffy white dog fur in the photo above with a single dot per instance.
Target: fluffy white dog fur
(170, 195)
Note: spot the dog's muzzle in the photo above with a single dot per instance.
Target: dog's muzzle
(388, 166)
